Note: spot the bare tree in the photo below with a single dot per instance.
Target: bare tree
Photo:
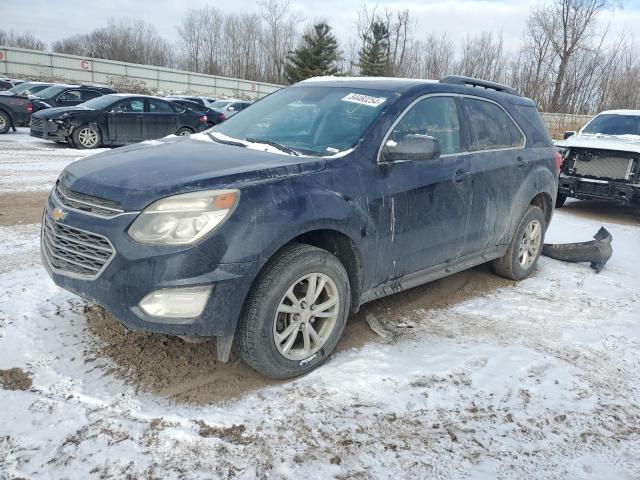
(21, 40)
(280, 26)
(126, 40)
(482, 57)
(569, 27)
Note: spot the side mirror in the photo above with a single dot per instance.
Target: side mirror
(411, 147)
(569, 133)
(231, 109)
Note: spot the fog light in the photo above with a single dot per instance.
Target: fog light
(188, 302)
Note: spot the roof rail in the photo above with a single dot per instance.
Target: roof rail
(476, 82)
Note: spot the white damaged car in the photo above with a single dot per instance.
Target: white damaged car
(602, 160)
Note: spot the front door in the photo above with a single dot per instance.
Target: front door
(125, 121)
(424, 220)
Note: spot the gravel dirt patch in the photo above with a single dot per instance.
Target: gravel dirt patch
(168, 367)
(15, 379)
(22, 207)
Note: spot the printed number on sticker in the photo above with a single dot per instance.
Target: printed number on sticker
(364, 99)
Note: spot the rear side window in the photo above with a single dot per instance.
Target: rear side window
(491, 128)
(89, 94)
(433, 116)
(540, 136)
(158, 106)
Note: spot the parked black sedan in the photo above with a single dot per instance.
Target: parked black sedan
(214, 117)
(59, 95)
(116, 119)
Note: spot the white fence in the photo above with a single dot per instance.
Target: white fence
(71, 68)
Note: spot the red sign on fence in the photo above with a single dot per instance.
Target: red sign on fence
(85, 65)
(1, 55)
(253, 87)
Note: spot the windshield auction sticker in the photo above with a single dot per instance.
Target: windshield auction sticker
(364, 99)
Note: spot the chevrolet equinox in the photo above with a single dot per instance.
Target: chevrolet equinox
(267, 230)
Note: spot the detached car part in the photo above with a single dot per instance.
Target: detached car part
(597, 252)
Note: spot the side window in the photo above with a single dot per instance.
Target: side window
(433, 116)
(89, 94)
(490, 126)
(70, 96)
(158, 106)
(133, 105)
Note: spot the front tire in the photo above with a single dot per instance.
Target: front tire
(525, 248)
(295, 313)
(86, 137)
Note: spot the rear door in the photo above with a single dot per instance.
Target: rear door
(427, 203)
(160, 119)
(125, 120)
(498, 162)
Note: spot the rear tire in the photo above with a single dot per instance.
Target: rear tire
(184, 131)
(560, 199)
(86, 137)
(525, 248)
(5, 122)
(278, 333)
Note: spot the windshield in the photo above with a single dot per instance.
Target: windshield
(613, 124)
(18, 89)
(51, 91)
(100, 103)
(315, 120)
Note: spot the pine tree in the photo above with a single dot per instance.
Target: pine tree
(374, 56)
(316, 56)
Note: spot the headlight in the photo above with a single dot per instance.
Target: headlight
(185, 218)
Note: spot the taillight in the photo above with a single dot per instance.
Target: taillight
(29, 107)
(203, 119)
(558, 162)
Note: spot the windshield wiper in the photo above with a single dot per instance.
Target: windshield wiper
(224, 142)
(279, 146)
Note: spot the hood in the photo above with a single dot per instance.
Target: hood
(58, 111)
(136, 175)
(622, 143)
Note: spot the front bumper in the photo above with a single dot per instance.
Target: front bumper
(136, 270)
(611, 190)
(48, 131)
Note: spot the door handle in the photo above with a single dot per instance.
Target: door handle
(520, 161)
(461, 174)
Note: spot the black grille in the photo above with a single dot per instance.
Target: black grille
(39, 125)
(87, 203)
(594, 188)
(73, 251)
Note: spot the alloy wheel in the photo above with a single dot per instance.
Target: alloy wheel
(306, 316)
(3, 122)
(530, 244)
(88, 138)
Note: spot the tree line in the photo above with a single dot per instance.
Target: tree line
(567, 61)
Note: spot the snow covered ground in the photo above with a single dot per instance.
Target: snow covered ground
(538, 379)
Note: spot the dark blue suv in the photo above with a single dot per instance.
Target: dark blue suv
(266, 231)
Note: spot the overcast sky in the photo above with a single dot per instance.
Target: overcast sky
(53, 20)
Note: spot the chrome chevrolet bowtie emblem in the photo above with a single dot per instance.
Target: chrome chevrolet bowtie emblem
(58, 214)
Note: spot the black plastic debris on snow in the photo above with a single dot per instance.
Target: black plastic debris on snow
(597, 252)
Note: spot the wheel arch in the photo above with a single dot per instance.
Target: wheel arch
(545, 202)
